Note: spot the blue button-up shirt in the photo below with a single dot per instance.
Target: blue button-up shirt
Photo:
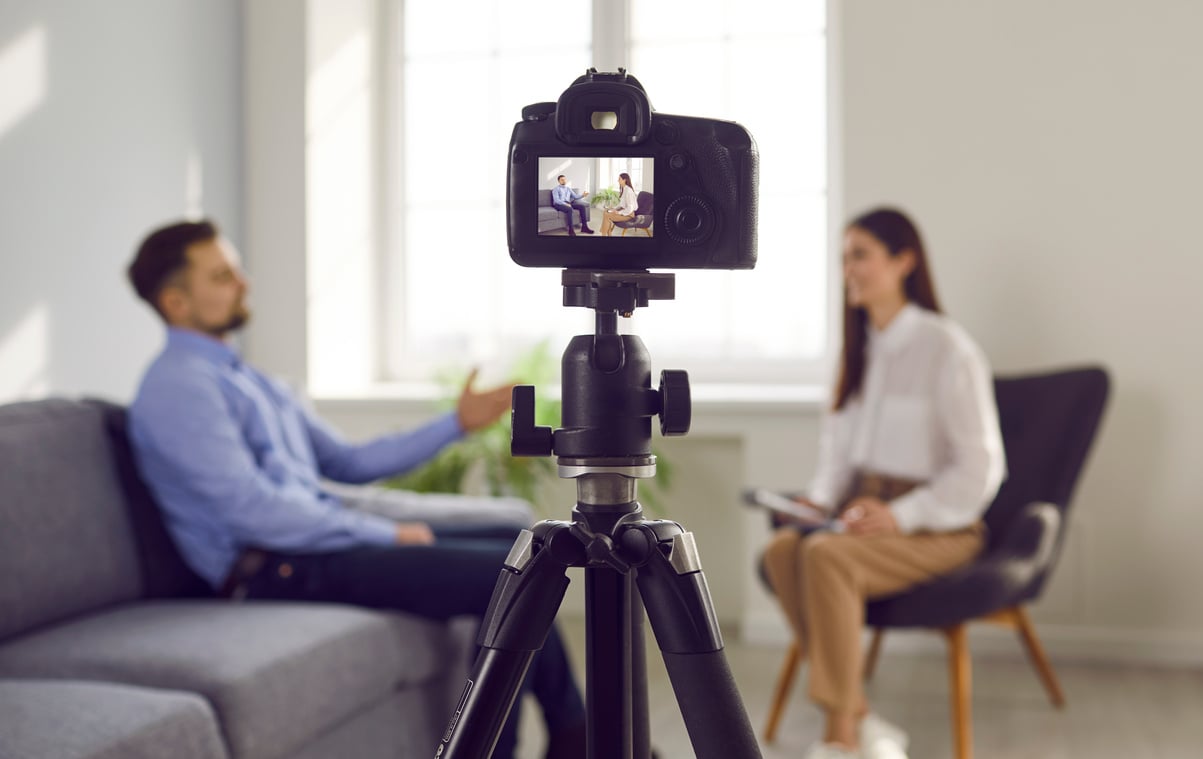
(562, 193)
(235, 461)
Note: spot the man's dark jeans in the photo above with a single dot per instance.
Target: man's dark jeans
(453, 576)
(581, 207)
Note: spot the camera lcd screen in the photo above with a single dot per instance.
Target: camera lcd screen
(595, 197)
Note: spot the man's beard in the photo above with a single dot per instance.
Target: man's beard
(240, 316)
(238, 319)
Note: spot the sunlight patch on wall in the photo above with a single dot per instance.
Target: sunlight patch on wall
(194, 185)
(22, 77)
(24, 357)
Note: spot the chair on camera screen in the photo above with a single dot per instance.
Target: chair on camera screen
(642, 218)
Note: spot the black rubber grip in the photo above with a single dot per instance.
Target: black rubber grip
(710, 704)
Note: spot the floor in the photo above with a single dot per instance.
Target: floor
(617, 232)
(1113, 712)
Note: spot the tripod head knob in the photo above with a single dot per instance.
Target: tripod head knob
(526, 439)
(676, 410)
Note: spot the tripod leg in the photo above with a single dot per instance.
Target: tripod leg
(608, 684)
(616, 661)
(641, 725)
(521, 612)
(678, 604)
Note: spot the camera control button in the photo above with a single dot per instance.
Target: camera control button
(667, 133)
(689, 220)
(677, 161)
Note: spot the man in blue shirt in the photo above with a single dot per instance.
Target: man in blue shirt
(564, 199)
(242, 472)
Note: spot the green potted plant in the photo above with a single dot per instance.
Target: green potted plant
(607, 198)
(482, 461)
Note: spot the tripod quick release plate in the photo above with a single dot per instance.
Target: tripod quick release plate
(620, 291)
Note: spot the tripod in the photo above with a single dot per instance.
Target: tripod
(605, 444)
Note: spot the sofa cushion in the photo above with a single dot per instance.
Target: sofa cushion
(66, 544)
(276, 673)
(63, 719)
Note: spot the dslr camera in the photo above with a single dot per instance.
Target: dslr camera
(669, 192)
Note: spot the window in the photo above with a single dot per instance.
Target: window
(459, 77)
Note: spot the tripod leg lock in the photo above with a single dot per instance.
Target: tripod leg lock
(667, 538)
(674, 589)
(529, 589)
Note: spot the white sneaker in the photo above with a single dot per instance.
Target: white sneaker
(880, 739)
(831, 751)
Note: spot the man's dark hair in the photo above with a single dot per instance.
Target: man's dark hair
(559, 177)
(163, 254)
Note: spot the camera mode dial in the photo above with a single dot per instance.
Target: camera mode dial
(689, 220)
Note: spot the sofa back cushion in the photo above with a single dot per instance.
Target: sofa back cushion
(164, 573)
(66, 543)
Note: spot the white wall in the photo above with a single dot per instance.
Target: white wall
(579, 173)
(114, 117)
(1051, 153)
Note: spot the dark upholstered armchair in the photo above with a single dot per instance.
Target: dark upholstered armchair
(1048, 424)
(643, 215)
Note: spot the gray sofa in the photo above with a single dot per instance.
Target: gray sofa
(111, 647)
(550, 219)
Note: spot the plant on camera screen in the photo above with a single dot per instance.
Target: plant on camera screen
(608, 197)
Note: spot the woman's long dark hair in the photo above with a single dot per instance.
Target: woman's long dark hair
(898, 233)
(626, 178)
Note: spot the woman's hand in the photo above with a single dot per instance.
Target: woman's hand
(869, 516)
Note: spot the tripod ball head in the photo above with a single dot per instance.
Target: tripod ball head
(620, 430)
(608, 398)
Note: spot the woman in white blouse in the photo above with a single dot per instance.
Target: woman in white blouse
(909, 459)
(625, 210)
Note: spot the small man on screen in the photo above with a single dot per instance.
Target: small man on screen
(564, 199)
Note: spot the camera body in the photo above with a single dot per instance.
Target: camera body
(677, 192)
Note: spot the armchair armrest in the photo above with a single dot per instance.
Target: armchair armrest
(1031, 536)
(1012, 570)
(1025, 550)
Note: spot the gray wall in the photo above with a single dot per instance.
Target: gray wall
(126, 114)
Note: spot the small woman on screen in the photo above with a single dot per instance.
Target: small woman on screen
(625, 210)
(910, 456)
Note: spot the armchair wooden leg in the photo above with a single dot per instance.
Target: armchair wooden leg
(785, 683)
(960, 672)
(874, 651)
(1039, 659)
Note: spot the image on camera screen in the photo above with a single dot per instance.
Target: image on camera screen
(596, 197)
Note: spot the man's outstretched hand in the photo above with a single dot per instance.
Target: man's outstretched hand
(480, 409)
